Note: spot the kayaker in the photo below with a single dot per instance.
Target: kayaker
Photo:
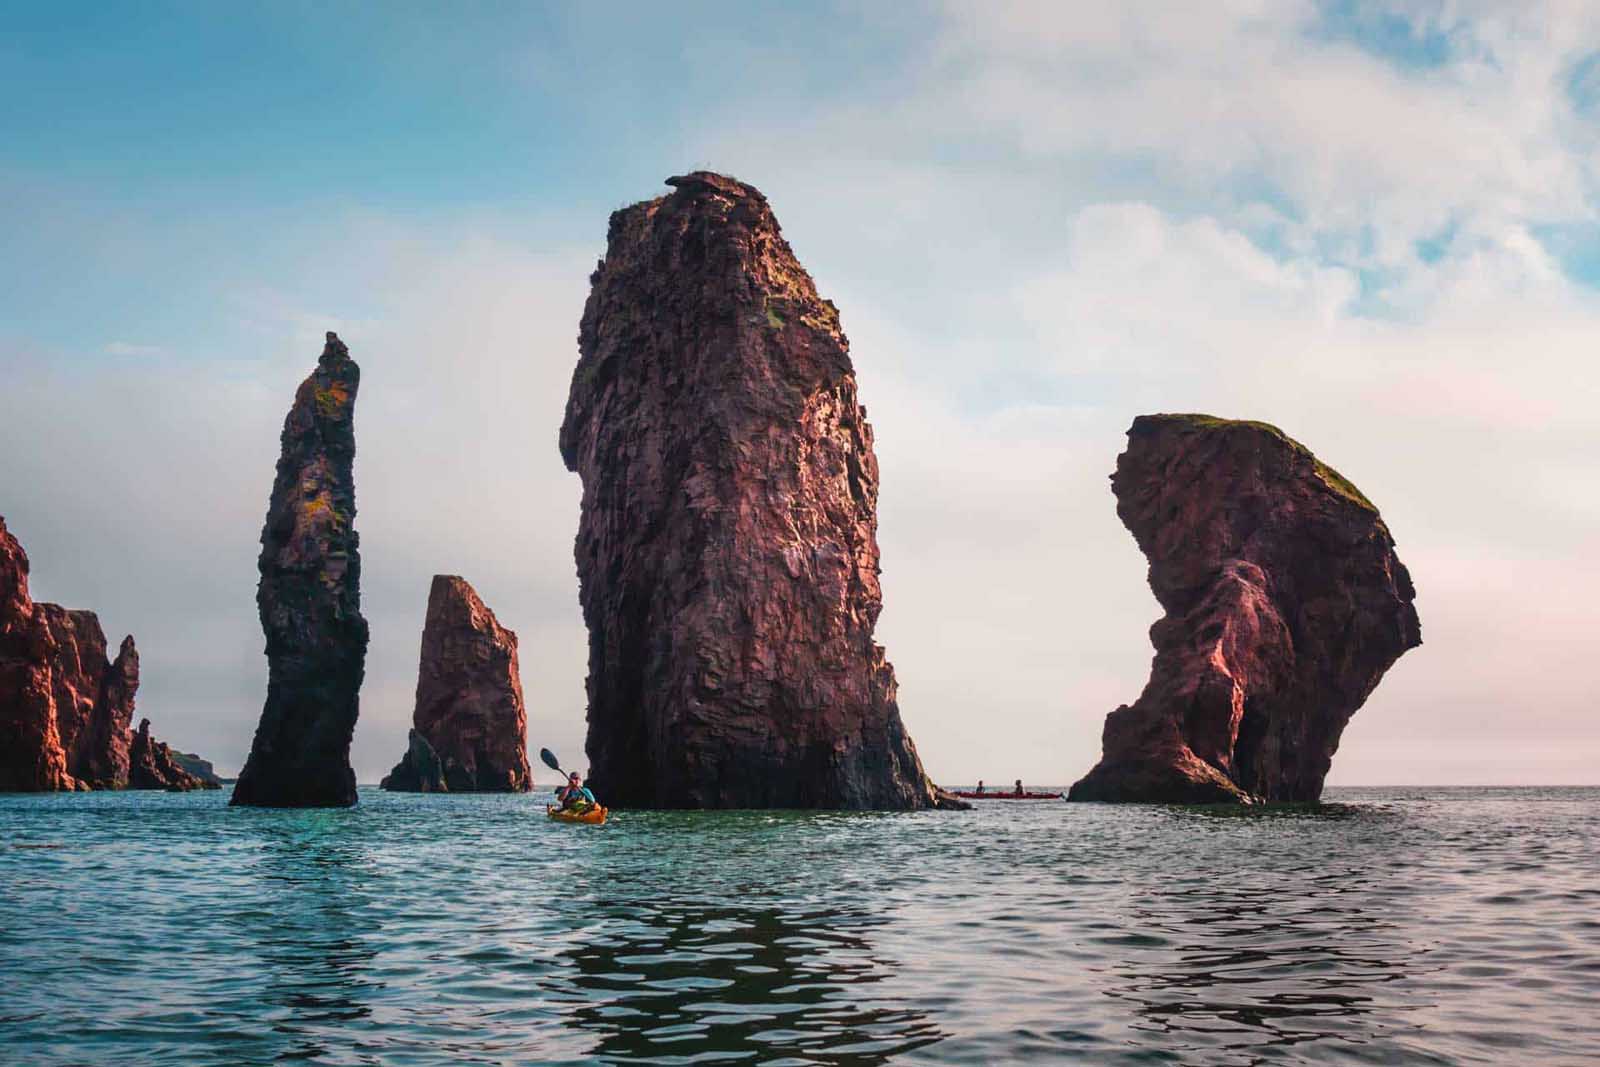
(980, 786)
(573, 796)
(1019, 787)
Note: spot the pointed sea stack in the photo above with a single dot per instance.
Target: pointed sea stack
(1285, 604)
(727, 549)
(470, 727)
(310, 602)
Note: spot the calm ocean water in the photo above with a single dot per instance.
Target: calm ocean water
(1443, 926)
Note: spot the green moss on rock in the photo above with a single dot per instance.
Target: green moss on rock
(1335, 481)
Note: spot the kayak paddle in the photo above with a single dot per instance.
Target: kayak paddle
(551, 762)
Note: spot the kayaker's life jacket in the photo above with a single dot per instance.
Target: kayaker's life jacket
(568, 795)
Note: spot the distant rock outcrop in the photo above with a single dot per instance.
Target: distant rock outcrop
(727, 549)
(1285, 604)
(470, 727)
(310, 602)
(200, 768)
(151, 765)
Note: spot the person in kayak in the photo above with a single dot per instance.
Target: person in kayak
(573, 796)
(980, 787)
(1019, 787)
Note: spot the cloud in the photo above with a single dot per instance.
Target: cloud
(149, 511)
(124, 348)
(1037, 223)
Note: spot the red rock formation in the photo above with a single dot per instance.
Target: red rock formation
(32, 758)
(1285, 604)
(470, 729)
(727, 549)
(93, 697)
(152, 766)
(310, 602)
(64, 708)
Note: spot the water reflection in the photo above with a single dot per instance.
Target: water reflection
(1245, 965)
(678, 982)
(308, 935)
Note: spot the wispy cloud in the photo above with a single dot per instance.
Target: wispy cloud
(124, 348)
(1365, 222)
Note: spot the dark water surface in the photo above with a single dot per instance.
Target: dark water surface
(1392, 926)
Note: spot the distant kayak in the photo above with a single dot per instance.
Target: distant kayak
(595, 816)
(991, 795)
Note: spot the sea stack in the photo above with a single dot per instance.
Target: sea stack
(310, 602)
(727, 549)
(1285, 604)
(469, 728)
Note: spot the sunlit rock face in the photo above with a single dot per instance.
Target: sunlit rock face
(32, 757)
(470, 727)
(65, 708)
(727, 548)
(309, 598)
(93, 696)
(1285, 604)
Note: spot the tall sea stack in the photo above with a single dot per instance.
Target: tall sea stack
(727, 550)
(1285, 604)
(469, 729)
(310, 602)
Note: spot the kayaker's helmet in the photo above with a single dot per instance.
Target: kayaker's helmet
(573, 778)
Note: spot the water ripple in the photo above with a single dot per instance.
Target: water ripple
(1400, 926)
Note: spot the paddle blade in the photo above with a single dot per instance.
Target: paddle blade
(550, 759)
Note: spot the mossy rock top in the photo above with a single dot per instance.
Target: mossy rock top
(1335, 481)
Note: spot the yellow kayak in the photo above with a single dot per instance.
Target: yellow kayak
(594, 816)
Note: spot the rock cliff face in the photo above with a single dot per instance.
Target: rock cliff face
(310, 602)
(1285, 604)
(93, 697)
(151, 765)
(470, 728)
(32, 758)
(64, 708)
(727, 549)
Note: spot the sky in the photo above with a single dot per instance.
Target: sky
(1372, 224)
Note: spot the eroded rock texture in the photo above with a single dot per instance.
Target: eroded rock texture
(1285, 604)
(727, 549)
(151, 765)
(32, 758)
(470, 728)
(65, 709)
(310, 602)
(93, 696)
